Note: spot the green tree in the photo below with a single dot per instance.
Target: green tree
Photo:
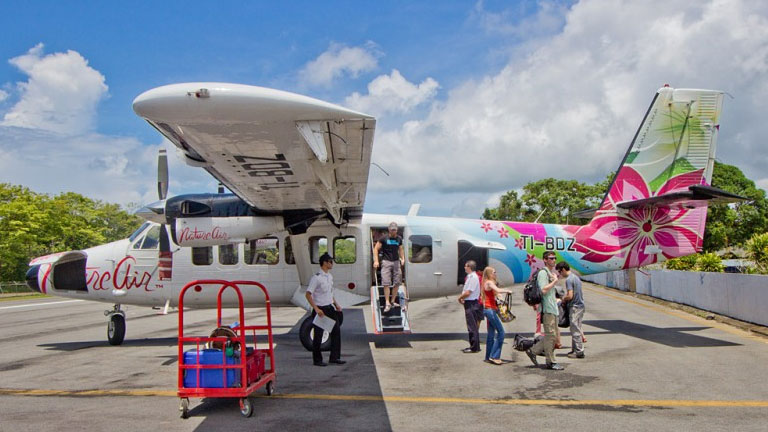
(556, 201)
(34, 224)
(757, 250)
(709, 262)
(734, 224)
(687, 262)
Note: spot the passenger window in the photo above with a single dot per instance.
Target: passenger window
(262, 251)
(152, 238)
(420, 249)
(317, 246)
(202, 255)
(344, 250)
(228, 254)
(289, 258)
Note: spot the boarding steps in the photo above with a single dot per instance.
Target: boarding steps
(393, 321)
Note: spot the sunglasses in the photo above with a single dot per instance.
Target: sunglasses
(551, 258)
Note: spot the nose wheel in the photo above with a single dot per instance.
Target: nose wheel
(115, 326)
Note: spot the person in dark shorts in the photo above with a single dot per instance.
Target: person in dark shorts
(393, 259)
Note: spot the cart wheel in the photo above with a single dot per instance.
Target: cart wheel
(184, 407)
(270, 388)
(246, 407)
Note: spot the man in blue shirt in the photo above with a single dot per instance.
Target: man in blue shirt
(546, 280)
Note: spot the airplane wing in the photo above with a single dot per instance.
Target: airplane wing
(275, 150)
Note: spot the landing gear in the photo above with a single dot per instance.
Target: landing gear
(307, 330)
(116, 325)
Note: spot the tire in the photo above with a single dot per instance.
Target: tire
(116, 329)
(306, 331)
(246, 407)
(270, 388)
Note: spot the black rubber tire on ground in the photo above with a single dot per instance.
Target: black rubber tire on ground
(116, 329)
(305, 334)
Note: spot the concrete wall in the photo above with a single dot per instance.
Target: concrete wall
(740, 296)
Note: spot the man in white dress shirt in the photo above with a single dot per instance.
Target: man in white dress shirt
(320, 297)
(473, 310)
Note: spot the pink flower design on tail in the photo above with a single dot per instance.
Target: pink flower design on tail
(640, 233)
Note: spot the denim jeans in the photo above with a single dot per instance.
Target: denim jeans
(495, 335)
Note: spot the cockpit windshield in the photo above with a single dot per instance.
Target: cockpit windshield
(138, 231)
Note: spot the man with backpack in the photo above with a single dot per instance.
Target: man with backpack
(545, 281)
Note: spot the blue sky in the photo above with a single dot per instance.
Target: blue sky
(472, 99)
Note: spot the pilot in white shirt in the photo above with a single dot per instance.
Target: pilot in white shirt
(320, 297)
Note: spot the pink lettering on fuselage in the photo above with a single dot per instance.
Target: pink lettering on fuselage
(122, 277)
(193, 234)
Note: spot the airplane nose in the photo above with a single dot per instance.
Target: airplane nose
(32, 278)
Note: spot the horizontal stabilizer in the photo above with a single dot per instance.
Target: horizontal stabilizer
(694, 193)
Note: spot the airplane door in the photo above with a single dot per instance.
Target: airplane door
(467, 251)
(137, 273)
(344, 245)
(424, 276)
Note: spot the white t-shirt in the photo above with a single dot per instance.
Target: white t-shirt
(472, 284)
(321, 288)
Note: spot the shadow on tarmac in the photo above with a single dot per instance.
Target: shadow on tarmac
(676, 337)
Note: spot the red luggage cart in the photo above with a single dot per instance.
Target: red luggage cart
(235, 370)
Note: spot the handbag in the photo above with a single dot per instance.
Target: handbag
(503, 308)
(563, 319)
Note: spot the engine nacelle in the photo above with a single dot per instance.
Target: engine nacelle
(214, 231)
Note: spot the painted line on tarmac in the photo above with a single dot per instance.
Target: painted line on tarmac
(680, 314)
(39, 304)
(415, 399)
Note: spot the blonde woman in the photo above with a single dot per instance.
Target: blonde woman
(495, 329)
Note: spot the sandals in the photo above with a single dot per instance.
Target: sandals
(496, 362)
(387, 308)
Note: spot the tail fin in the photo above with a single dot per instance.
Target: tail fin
(673, 149)
(656, 206)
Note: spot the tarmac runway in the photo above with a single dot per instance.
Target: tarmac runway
(648, 367)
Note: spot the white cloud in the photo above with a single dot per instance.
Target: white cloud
(60, 95)
(113, 169)
(392, 94)
(3, 95)
(46, 142)
(569, 109)
(548, 17)
(337, 61)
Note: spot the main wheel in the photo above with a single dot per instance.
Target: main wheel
(246, 407)
(184, 407)
(116, 329)
(307, 330)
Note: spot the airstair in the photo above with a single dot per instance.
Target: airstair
(393, 321)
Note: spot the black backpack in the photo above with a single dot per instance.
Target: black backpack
(532, 292)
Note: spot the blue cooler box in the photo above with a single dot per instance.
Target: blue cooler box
(210, 378)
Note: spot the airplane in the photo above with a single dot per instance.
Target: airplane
(298, 170)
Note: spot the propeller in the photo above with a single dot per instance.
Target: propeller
(162, 174)
(165, 262)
